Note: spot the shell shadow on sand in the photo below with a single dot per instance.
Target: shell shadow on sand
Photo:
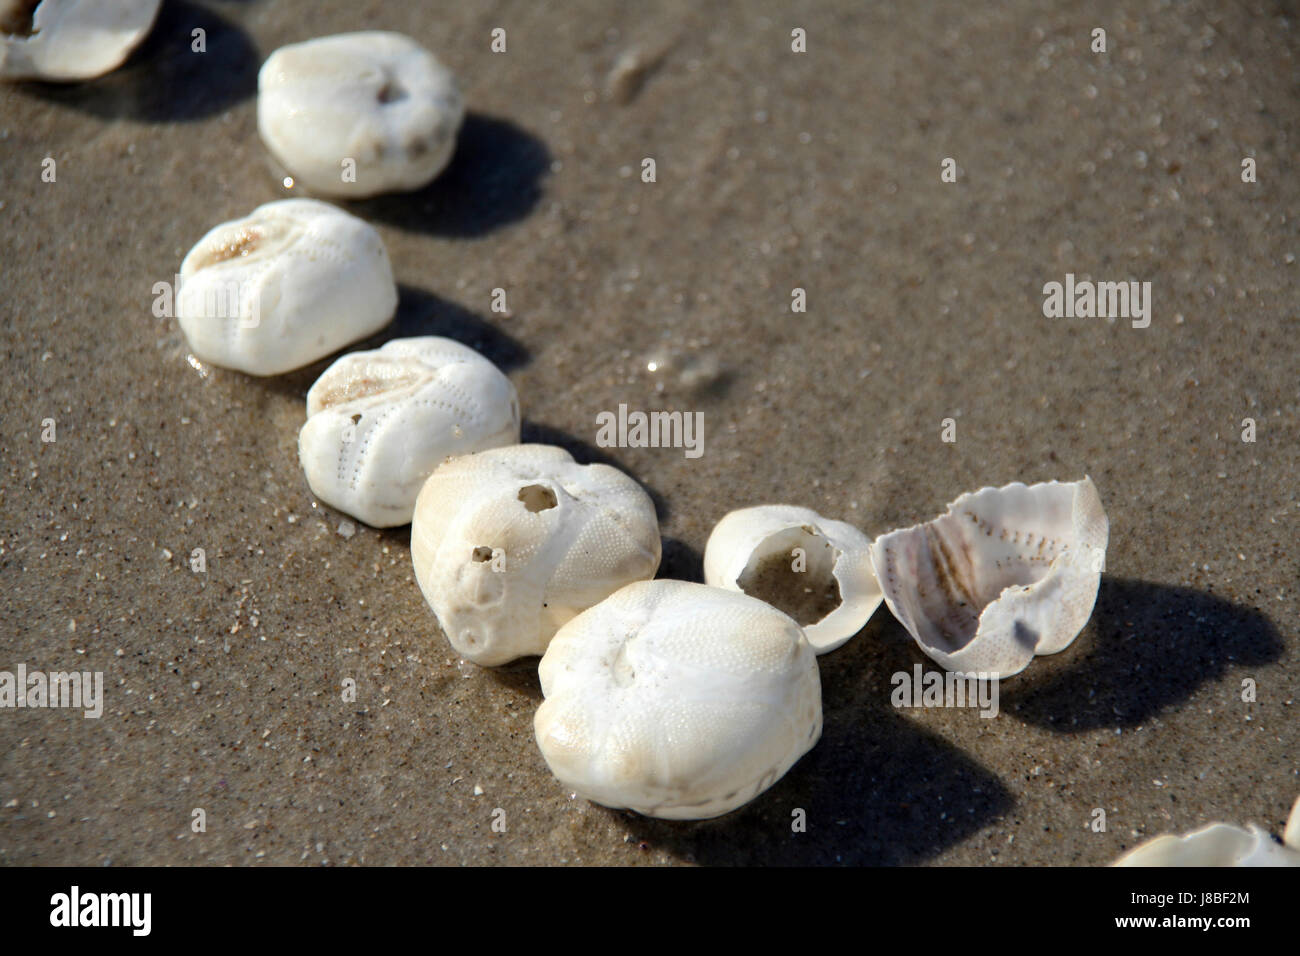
(876, 789)
(880, 790)
(494, 179)
(1147, 647)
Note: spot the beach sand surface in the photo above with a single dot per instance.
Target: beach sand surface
(775, 171)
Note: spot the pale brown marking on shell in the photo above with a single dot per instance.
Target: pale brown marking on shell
(946, 572)
(954, 582)
(352, 389)
(243, 244)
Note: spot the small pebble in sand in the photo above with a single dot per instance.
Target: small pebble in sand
(380, 422)
(286, 285)
(358, 114)
(64, 40)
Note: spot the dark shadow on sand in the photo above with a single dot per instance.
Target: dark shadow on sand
(164, 80)
(1147, 647)
(423, 313)
(877, 789)
(681, 562)
(494, 178)
(519, 676)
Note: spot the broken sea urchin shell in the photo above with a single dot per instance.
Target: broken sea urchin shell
(1005, 574)
(1220, 844)
(677, 700)
(380, 422)
(509, 544)
(63, 40)
(816, 570)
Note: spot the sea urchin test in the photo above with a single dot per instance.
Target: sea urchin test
(509, 544)
(816, 570)
(379, 423)
(358, 114)
(65, 40)
(677, 700)
(1005, 574)
(287, 285)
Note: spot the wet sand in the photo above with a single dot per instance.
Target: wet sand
(774, 171)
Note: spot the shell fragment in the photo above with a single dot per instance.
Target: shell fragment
(64, 40)
(816, 570)
(1005, 574)
(1221, 844)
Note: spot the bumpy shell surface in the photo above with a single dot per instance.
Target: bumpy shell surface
(1221, 844)
(511, 543)
(70, 39)
(380, 422)
(677, 700)
(378, 99)
(1005, 574)
(288, 284)
(753, 550)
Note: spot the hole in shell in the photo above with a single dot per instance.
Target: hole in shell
(537, 498)
(391, 92)
(482, 553)
(356, 418)
(807, 595)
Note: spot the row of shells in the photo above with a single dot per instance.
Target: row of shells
(708, 694)
(674, 699)
(513, 543)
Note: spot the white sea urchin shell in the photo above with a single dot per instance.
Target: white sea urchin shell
(677, 700)
(63, 40)
(509, 544)
(1220, 844)
(288, 284)
(1005, 574)
(358, 114)
(380, 422)
(827, 585)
